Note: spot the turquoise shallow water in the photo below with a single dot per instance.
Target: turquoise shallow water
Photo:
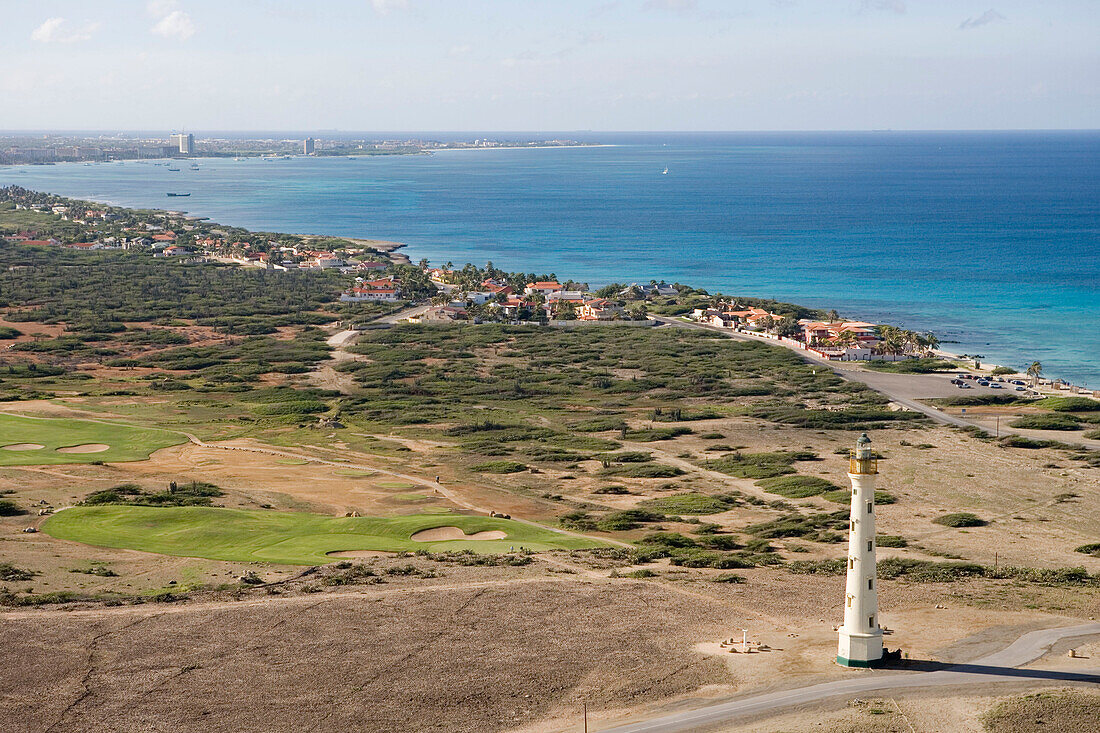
(992, 240)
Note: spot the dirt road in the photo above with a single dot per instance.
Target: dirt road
(1002, 666)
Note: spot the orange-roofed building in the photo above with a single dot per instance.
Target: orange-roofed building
(542, 287)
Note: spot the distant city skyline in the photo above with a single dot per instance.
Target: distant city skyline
(481, 65)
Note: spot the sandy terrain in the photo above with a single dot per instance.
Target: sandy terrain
(24, 446)
(454, 533)
(85, 448)
(519, 646)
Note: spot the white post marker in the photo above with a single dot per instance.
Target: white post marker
(861, 636)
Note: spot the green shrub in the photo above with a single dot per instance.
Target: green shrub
(1069, 404)
(633, 456)
(640, 573)
(822, 527)
(668, 539)
(1092, 548)
(644, 470)
(759, 465)
(194, 493)
(614, 490)
(797, 487)
(1019, 441)
(818, 567)
(1002, 371)
(890, 540)
(1047, 422)
(9, 508)
(728, 578)
(627, 519)
(499, 467)
(855, 418)
(690, 503)
(960, 519)
(650, 435)
(12, 574)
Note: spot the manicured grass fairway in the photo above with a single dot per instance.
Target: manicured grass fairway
(238, 535)
(127, 443)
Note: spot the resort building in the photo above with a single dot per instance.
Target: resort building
(184, 143)
(599, 309)
(544, 288)
(386, 290)
(821, 332)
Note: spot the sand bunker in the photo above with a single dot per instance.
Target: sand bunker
(360, 553)
(24, 446)
(86, 448)
(440, 534)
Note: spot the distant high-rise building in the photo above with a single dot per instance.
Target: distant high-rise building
(184, 142)
(308, 146)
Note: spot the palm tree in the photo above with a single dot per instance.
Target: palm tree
(845, 339)
(1033, 371)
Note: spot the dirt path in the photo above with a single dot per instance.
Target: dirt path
(1001, 666)
(145, 609)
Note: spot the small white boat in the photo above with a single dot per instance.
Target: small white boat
(664, 172)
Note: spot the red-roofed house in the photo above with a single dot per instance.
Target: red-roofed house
(542, 287)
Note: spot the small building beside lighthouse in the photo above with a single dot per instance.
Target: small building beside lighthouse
(861, 636)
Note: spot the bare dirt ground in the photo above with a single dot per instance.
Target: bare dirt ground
(470, 649)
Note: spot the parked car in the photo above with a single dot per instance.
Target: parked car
(1021, 389)
(964, 385)
(995, 386)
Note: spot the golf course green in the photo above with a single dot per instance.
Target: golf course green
(26, 441)
(287, 538)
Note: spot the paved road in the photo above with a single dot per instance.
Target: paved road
(1001, 666)
(903, 389)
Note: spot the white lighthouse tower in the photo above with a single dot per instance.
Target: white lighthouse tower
(861, 637)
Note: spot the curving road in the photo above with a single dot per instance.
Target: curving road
(903, 389)
(1001, 666)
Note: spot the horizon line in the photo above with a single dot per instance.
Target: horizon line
(119, 131)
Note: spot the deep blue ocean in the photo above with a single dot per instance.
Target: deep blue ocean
(991, 240)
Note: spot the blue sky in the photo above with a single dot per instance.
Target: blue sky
(550, 64)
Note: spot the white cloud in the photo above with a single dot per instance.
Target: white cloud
(56, 30)
(382, 7)
(989, 16)
(176, 24)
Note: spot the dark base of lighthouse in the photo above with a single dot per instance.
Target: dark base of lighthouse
(888, 657)
(865, 663)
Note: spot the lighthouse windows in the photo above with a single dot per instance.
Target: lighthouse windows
(871, 622)
(870, 507)
(851, 563)
(870, 545)
(849, 601)
(870, 584)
